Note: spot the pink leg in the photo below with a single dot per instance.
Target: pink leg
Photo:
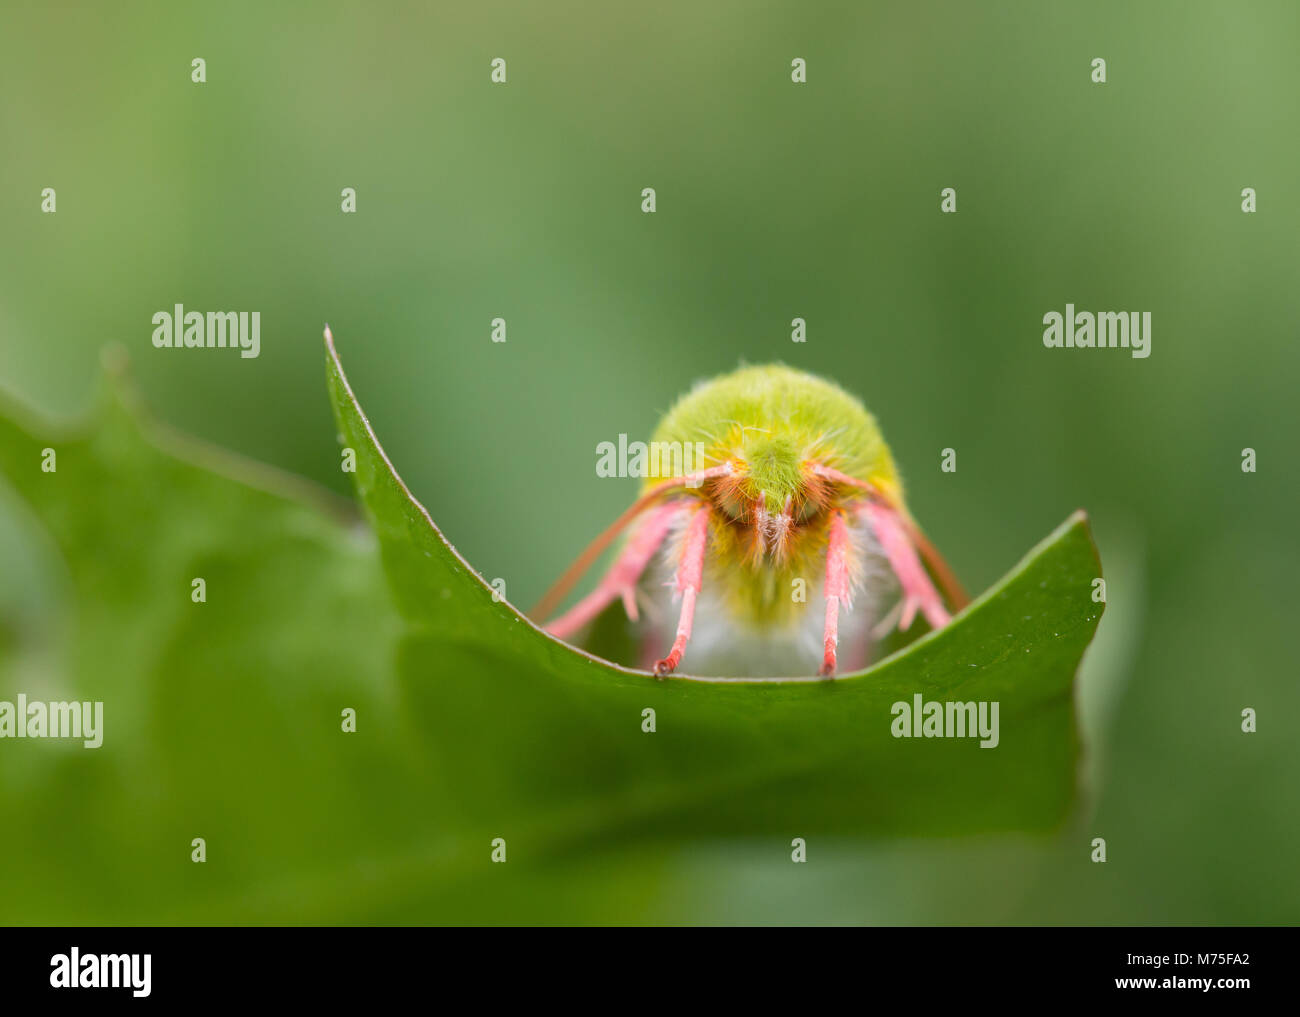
(621, 579)
(918, 591)
(689, 579)
(837, 588)
(560, 589)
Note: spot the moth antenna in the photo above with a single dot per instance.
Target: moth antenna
(688, 580)
(560, 589)
(952, 587)
(830, 473)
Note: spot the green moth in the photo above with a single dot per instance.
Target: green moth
(797, 493)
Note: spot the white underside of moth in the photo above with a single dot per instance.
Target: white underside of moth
(726, 646)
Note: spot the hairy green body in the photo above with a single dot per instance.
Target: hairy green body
(774, 424)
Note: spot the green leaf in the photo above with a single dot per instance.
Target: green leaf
(222, 718)
(733, 756)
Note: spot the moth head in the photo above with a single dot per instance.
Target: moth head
(775, 492)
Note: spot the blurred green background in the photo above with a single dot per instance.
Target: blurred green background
(775, 201)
